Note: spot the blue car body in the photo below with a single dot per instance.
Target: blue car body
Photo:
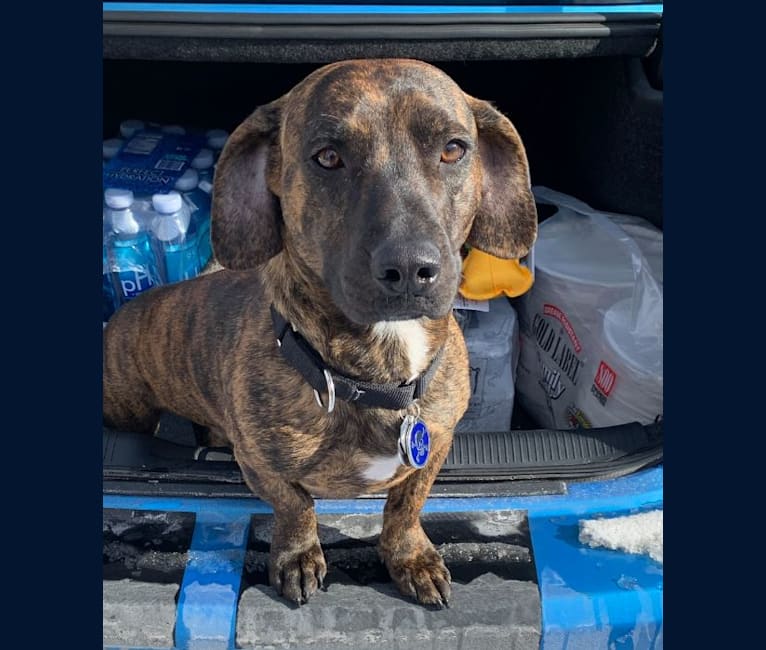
(591, 597)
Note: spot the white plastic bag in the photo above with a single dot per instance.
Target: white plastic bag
(491, 338)
(591, 326)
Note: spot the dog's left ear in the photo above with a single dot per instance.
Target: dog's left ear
(246, 214)
(506, 223)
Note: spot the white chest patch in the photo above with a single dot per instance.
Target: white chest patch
(381, 468)
(411, 336)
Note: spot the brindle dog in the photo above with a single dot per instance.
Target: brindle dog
(344, 204)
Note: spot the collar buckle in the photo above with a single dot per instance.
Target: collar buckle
(307, 361)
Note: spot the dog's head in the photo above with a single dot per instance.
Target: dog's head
(371, 175)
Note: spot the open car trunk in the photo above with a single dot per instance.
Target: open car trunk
(592, 129)
(583, 89)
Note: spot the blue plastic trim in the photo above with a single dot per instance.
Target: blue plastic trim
(207, 603)
(376, 9)
(584, 591)
(617, 496)
(593, 597)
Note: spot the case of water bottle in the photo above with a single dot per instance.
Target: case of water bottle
(158, 183)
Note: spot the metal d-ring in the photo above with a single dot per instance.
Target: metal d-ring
(411, 410)
(330, 392)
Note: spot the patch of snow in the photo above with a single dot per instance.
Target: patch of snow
(640, 533)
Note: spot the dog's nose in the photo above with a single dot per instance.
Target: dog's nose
(407, 268)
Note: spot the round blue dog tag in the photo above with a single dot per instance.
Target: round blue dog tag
(414, 442)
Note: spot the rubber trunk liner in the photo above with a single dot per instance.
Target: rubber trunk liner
(546, 453)
(475, 457)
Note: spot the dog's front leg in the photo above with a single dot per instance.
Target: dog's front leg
(411, 559)
(297, 566)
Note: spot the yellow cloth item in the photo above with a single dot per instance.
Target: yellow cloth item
(486, 277)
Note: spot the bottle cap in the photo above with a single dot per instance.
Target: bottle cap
(167, 203)
(176, 129)
(129, 127)
(203, 160)
(187, 181)
(123, 221)
(216, 138)
(111, 147)
(118, 199)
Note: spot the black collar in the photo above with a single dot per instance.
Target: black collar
(324, 379)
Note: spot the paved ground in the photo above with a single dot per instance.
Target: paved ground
(486, 613)
(139, 613)
(495, 601)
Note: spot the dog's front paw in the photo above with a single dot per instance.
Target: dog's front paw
(421, 575)
(296, 575)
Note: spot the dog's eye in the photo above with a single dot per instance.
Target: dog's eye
(329, 158)
(453, 152)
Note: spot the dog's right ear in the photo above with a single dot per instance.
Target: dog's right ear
(246, 214)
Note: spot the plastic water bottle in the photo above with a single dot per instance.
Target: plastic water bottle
(130, 258)
(187, 181)
(129, 127)
(108, 297)
(171, 230)
(111, 147)
(203, 163)
(196, 195)
(216, 139)
(204, 197)
(198, 204)
(175, 129)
